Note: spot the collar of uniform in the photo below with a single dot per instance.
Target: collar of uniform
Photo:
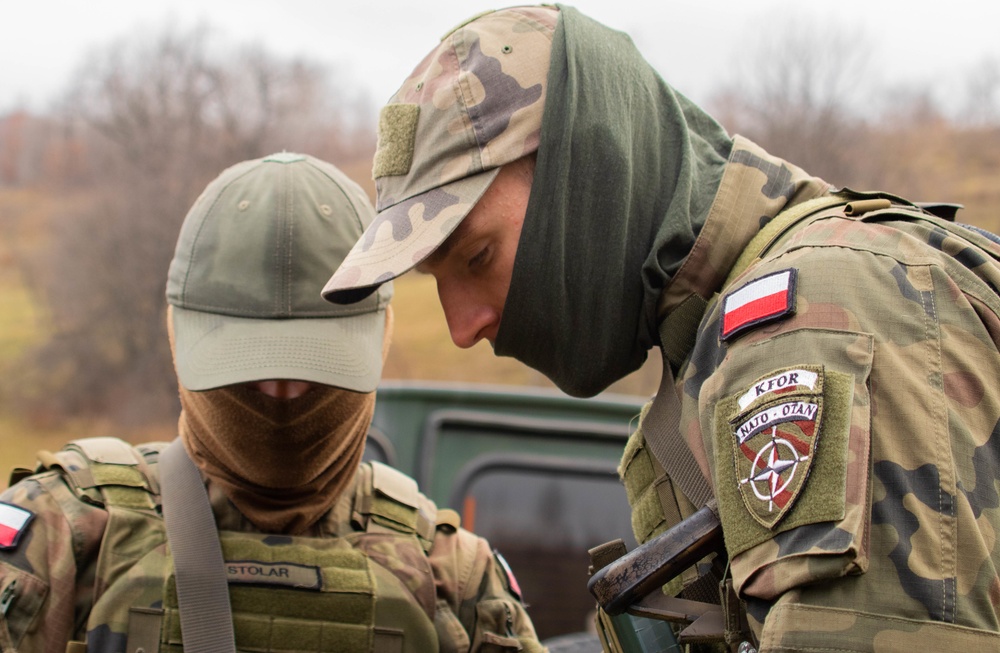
(755, 187)
(336, 522)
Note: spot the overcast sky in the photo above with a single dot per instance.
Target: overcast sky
(692, 43)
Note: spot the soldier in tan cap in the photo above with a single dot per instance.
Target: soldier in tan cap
(836, 353)
(259, 528)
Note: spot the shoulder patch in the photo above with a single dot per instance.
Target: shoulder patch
(508, 573)
(757, 302)
(14, 522)
(774, 439)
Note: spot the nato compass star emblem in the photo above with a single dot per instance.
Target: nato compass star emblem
(774, 448)
(773, 476)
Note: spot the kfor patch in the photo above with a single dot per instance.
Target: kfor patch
(758, 302)
(14, 522)
(782, 382)
(775, 435)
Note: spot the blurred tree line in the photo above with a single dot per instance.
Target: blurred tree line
(807, 91)
(147, 123)
(150, 120)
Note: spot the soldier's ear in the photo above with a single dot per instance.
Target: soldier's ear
(170, 335)
(387, 337)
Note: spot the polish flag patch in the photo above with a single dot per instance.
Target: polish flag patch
(512, 583)
(13, 522)
(757, 302)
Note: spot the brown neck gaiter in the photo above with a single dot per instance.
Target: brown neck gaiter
(282, 462)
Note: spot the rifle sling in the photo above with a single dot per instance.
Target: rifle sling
(202, 588)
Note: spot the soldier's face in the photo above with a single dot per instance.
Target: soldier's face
(282, 388)
(473, 266)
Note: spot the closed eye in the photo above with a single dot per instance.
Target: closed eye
(480, 258)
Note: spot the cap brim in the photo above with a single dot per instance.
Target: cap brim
(213, 350)
(403, 235)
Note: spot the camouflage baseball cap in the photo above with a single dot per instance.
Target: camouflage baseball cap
(472, 105)
(252, 253)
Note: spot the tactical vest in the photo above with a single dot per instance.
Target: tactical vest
(368, 590)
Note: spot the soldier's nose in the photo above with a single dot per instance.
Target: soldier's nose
(282, 388)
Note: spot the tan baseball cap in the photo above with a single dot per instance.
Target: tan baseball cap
(251, 255)
(472, 105)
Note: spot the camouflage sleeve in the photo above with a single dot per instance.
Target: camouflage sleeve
(853, 445)
(44, 592)
(477, 609)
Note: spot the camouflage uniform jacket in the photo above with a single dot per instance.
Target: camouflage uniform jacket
(842, 397)
(55, 585)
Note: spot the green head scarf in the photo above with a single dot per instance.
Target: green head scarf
(626, 171)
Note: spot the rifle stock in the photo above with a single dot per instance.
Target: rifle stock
(651, 565)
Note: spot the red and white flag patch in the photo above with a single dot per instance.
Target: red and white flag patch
(512, 583)
(758, 301)
(13, 522)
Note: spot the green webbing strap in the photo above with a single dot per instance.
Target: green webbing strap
(387, 640)
(777, 226)
(144, 626)
(202, 589)
(662, 432)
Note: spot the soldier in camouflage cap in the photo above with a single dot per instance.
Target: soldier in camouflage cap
(837, 352)
(319, 550)
(473, 105)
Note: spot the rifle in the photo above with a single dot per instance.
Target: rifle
(633, 614)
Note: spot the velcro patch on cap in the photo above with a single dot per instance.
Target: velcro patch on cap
(397, 137)
(757, 302)
(14, 522)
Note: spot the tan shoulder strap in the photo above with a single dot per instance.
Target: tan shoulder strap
(108, 471)
(777, 226)
(200, 570)
(387, 499)
(394, 484)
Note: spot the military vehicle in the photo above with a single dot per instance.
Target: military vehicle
(532, 470)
